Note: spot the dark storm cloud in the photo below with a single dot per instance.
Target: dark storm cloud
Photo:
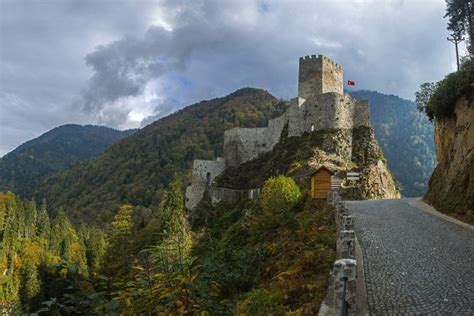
(124, 63)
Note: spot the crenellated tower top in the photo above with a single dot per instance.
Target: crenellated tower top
(317, 75)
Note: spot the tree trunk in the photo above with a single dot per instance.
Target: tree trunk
(470, 20)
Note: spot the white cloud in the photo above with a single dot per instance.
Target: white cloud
(154, 57)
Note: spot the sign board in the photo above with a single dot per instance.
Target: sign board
(353, 176)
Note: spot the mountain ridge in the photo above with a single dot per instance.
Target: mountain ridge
(23, 168)
(139, 167)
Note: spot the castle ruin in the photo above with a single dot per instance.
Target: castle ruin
(321, 104)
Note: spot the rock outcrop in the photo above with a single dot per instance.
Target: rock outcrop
(451, 187)
(299, 157)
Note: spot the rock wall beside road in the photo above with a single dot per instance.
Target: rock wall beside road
(451, 187)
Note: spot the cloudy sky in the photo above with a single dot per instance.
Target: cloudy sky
(126, 63)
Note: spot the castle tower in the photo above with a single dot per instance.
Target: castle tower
(318, 75)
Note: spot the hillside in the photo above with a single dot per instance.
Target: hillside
(406, 138)
(22, 169)
(138, 168)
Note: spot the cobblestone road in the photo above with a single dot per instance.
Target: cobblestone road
(415, 263)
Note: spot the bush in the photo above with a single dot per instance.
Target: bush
(261, 302)
(278, 197)
(438, 100)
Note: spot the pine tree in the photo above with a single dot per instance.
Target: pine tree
(171, 211)
(64, 242)
(9, 245)
(173, 263)
(31, 257)
(461, 19)
(30, 219)
(94, 241)
(43, 225)
(119, 256)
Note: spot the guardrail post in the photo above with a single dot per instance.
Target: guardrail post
(341, 210)
(329, 197)
(338, 208)
(347, 222)
(345, 286)
(346, 244)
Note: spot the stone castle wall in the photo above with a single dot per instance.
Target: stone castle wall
(194, 194)
(204, 173)
(244, 144)
(321, 104)
(325, 111)
(361, 115)
(230, 195)
(206, 170)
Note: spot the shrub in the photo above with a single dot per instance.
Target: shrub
(438, 100)
(279, 195)
(261, 302)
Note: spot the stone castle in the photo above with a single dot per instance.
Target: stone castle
(321, 104)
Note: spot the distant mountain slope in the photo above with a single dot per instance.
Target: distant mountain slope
(139, 167)
(406, 138)
(25, 167)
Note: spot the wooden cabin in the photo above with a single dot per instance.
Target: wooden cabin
(321, 183)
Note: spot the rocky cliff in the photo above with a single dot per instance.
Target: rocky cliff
(340, 150)
(451, 187)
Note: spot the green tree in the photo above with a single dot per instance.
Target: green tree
(30, 218)
(65, 243)
(30, 291)
(119, 255)
(423, 96)
(43, 225)
(165, 280)
(460, 15)
(10, 243)
(279, 195)
(94, 240)
(438, 100)
(171, 211)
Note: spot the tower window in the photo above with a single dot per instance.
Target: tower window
(312, 127)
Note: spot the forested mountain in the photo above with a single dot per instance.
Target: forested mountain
(22, 169)
(243, 257)
(138, 168)
(406, 138)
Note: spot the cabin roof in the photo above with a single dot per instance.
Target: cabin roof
(321, 168)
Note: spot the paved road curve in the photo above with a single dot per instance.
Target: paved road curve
(414, 262)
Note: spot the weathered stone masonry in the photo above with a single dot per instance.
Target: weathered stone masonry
(321, 104)
(204, 172)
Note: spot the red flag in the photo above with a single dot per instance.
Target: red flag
(351, 82)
